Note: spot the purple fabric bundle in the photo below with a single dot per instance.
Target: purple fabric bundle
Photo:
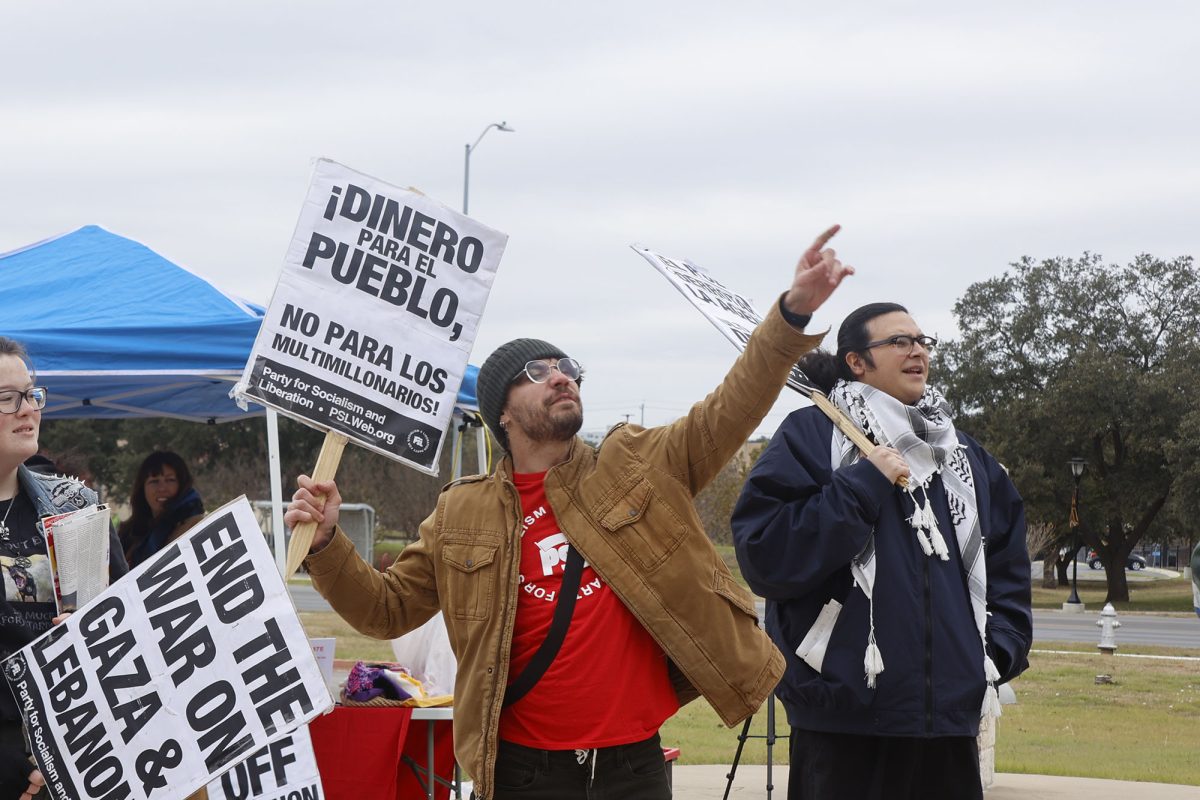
(368, 681)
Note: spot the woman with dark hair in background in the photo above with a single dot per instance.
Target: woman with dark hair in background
(164, 505)
(27, 606)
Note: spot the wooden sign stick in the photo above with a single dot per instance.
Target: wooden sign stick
(844, 425)
(325, 470)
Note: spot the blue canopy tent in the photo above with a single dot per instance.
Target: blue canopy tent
(116, 331)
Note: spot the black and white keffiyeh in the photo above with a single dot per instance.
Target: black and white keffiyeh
(925, 436)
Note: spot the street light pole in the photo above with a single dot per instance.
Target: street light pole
(1077, 465)
(500, 126)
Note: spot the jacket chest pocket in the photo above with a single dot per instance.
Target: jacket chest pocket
(470, 576)
(642, 524)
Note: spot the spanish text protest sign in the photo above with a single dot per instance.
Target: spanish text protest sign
(730, 312)
(286, 769)
(178, 671)
(374, 315)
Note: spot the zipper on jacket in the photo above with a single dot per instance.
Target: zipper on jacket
(928, 649)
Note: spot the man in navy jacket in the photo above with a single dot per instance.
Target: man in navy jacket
(899, 608)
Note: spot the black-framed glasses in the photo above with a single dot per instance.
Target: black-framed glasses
(539, 370)
(10, 401)
(904, 343)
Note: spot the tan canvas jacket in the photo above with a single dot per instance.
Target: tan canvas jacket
(627, 507)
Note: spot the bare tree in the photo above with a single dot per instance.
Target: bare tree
(1042, 540)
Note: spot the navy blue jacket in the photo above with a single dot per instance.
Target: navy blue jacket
(796, 528)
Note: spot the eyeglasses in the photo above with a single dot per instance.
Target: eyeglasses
(10, 402)
(539, 371)
(903, 343)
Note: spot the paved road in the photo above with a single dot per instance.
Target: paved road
(306, 598)
(1059, 626)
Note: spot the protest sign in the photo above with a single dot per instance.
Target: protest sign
(374, 315)
(286, 769)
(735, 317)
(181, 669)
(731, 313)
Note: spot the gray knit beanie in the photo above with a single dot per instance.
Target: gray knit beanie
(497, 374)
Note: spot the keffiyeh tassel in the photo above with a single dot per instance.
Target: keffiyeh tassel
(873, 660)
(924, 522)
(939, 545)
(923, 540)
(935, 533)
(991, 703)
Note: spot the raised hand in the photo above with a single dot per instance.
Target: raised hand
(817, 274)
(315, 502)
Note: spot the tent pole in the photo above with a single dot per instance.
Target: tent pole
(276, 488)
(481, 450)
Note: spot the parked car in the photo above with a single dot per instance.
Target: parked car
(1135, 562)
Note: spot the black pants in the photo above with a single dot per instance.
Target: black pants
(626, 772)
(837, 766)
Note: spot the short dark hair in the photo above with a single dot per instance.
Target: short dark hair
(11, 347)
(825, 369)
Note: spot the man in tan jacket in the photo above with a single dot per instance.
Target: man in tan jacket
(583, 600)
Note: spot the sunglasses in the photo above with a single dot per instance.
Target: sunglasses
(539, 371)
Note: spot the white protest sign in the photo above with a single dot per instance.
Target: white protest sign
(286, 769)
(730, 312)
(373, 319)
(175, 673)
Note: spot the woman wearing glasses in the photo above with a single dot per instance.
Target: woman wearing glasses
(27, 605)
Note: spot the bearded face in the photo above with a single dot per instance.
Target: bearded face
(544, 412)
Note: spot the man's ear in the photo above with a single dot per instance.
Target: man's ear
(858, 367)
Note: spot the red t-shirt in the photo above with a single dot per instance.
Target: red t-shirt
(608, 685)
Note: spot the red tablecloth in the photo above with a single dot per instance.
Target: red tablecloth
(360, 753)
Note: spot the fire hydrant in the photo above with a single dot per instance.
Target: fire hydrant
(1108, 629)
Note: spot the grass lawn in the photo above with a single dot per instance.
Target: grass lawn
(1174, 594)
(390, 546)
(1145, 726)
(350, 645)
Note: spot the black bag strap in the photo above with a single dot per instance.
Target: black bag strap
(545, 654)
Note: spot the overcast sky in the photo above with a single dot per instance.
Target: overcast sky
(948, 139)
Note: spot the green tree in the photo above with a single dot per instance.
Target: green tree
(1074, 357)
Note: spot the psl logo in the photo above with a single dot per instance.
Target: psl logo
(553, 551)
(15, 668)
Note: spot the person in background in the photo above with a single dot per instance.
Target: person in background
(899, 609)
(27, 605)
(163, 504)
